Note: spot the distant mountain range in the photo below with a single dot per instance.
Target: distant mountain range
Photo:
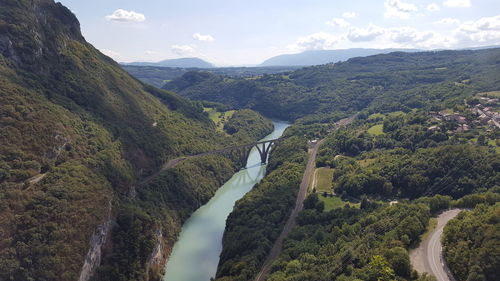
(318, 57)
(182, 62)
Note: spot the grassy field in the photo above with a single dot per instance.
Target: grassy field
(396, 113)
(323, 180)
(335, 202)
(376, 130)
(493, 94)
(219, 118)
(376, 116)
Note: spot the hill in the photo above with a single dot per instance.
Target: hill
(317, 57)
(158, 76)
(182, 62)
(387, 82)
(78, 137)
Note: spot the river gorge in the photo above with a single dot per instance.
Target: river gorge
(195, 255)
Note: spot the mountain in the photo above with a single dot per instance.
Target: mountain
(182, 63)
(78, 138)
(399, 81)
(318, 57)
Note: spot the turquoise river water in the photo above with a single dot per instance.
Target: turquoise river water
(195, 255)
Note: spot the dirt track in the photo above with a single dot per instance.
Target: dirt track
(290, 223)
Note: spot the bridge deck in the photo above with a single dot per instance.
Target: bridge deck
(232, 148)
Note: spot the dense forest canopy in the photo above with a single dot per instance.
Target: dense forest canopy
(472, 243)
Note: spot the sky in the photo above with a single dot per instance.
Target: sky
(247, 32)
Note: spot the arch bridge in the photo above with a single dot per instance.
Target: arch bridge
(264, 148)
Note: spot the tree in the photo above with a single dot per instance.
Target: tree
(380, 270)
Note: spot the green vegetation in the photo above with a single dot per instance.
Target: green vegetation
(491, 94)
(72, 118)
(352, 244)
(453, 170)
(432, 225)
(376, 116)
(471, 243)
(334, 202)
(246, 126)
(379, 84)
(159, 75)
(323, 179)
(376, 130)
(219, 118)
(72, 115)
(245, 248)
(391, 152)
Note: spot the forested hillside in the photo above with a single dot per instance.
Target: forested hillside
(351, 231)
(472, 244)
(159, 75)
(356, 234)
(387, 82)
(78, 135)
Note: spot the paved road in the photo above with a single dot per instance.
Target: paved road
(428, 256)
(290, 223)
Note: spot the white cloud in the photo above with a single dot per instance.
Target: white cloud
(453, 34)
(409, 35)
(200, 37)
(398, 9)
(447, 21)
(121, 15)
(457, 3)
(338, 22)
(349, 15)
(151, 53)
(437, 41)
(371, 33)
(433, 7)
(484, 30)
(183, 50)
(316, 41)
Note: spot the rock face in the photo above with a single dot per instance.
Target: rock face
(50, 25)
(94, 255)
(159, 257)
(156, 257)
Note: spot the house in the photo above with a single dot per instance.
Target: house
(462, 128)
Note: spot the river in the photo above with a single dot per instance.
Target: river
(195, 255)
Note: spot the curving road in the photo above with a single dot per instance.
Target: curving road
(428, 256)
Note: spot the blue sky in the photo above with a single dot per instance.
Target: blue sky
(246, 32)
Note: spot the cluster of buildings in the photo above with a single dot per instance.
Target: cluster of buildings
(486, 115)
(445, 116)
(484, 112)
